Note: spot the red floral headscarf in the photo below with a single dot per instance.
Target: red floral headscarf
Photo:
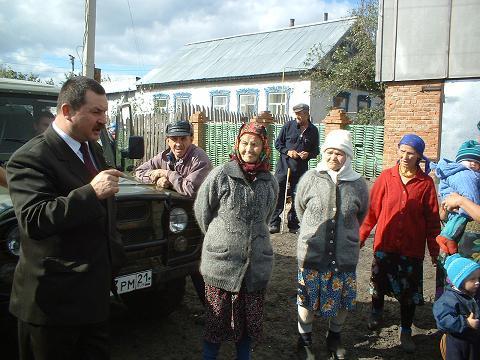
(263, 163)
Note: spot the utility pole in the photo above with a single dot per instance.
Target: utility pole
(72, 60)
(89, 46)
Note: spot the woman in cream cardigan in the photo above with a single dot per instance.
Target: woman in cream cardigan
(331, 202)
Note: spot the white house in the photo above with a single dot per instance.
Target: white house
(248, 73)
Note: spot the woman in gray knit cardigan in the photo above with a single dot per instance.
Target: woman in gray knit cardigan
(331, 202)
(233, 208)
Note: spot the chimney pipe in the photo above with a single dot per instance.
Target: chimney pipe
(292, 22)
(325, 16)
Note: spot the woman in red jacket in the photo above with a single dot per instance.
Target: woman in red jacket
(404, 207)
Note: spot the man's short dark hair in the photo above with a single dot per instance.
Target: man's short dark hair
(73, 91)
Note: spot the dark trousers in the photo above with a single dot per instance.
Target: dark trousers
(456, 348)
(292, 215)
(407, 311)
(78, 342)
(210, 350)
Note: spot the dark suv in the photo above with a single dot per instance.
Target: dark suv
(159, 232)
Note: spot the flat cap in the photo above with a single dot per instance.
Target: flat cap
(179, 128)
(301, 107)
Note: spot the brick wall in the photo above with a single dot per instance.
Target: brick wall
(412, 107)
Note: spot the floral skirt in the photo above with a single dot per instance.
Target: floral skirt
(397, 276)
(326, 292)
(230, 316)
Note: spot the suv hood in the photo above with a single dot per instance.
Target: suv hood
(130, 188)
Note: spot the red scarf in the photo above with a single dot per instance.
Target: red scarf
(263, 164)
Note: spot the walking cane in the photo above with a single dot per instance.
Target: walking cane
(287, 185)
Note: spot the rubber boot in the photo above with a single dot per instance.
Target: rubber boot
(304, 347)
(334, 346)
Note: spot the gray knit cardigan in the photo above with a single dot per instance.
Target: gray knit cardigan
(234, 215)
(330, 216)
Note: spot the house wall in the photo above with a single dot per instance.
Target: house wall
(322, 104)
(200, 94)
(412, 107)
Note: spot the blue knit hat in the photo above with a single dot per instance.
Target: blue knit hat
(418, 144)
(469, 150)
(459, 268)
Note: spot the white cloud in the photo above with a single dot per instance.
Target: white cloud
(37, 36)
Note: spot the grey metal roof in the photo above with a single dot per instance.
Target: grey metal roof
(248, 55)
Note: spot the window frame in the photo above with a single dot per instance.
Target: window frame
(346, 96)
(363, 98)
(183, 98)
(286, 91)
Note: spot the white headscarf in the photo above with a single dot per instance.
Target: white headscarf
(340, 140)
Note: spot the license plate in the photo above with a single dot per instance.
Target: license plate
(131, 282)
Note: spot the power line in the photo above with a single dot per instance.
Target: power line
(34, 68)
(103, 65)
(137, 47)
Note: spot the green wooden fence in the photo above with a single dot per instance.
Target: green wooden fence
(367, 141)
(368, 146)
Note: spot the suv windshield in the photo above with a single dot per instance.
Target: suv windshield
(18, 116)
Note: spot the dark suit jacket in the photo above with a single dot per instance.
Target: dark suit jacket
(290, 138)
(64, 272)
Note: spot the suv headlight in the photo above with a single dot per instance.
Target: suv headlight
(13, 241)
(178, 220)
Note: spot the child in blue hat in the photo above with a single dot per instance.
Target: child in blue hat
(456, 311)
(463, 177)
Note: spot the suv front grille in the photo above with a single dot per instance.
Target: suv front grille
(140, 222)
(135, 236)
(128, 211)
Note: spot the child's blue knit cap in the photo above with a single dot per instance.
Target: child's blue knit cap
(459, 268)
(469, 150)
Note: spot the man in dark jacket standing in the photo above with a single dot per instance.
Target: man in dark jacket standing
(62, 194)
(297, 143)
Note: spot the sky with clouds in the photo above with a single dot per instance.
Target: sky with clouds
(134, 36)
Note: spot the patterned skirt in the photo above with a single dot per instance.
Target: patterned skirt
(397, 276)
(326, 292)
(230, 316)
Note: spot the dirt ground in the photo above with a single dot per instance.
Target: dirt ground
(179, 336)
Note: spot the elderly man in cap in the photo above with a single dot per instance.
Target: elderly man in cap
(297, 143)
(182, 167)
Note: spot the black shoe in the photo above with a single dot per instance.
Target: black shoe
(304, 350)
(375, 321)
(334, 346)
(274, 229)
(293, 231)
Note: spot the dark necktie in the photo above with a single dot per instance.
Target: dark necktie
(87, 159)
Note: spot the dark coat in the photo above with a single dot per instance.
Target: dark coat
(290, 138)
(63, 276)
(451, 311)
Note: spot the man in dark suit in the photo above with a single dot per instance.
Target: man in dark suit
(297, 143)
(62, 195)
